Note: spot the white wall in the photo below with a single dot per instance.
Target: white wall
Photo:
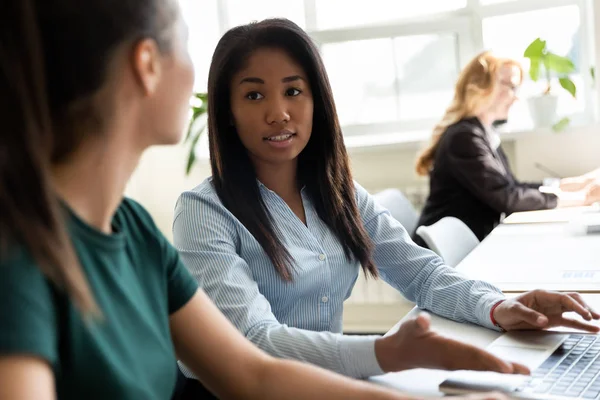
(160, 176)
(160, 179)
(570, 153)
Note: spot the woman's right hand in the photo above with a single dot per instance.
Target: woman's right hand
(415, 345)
(575, 184)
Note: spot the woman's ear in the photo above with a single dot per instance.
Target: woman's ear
(147, 65)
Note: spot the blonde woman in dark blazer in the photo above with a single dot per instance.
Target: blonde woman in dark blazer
(470, 176)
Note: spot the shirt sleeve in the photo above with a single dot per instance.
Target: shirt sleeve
(28, 324)
(205, 235)
(474, 166)
(181, 285)
(531, 185)
(420, 274)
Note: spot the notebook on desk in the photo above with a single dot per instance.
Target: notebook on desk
(580, 280)
(563, 365)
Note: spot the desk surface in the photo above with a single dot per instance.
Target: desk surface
(519, 257)
(547, 216)
(425, 382)
(530, 250)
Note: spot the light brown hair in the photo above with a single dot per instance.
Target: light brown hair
(54, 57)
(476, 83)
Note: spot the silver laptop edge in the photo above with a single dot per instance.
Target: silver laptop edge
(530, 348)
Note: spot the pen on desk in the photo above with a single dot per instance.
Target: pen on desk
(547, 170)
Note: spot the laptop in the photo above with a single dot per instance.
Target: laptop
(565, 366)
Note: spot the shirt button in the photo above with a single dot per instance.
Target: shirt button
(322, 257)
(324, 299)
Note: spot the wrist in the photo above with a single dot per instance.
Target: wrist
(385, 354)
(493, 315)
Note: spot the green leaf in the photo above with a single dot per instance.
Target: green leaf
(191, 131)
(561, 125)
(535, 49)
(197, 112)
(559, 64)
(191, 160)
(568, 85)
(593, 73)
(534, 69)
(194, 131)
(192, 152)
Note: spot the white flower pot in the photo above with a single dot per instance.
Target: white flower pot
(543, 110)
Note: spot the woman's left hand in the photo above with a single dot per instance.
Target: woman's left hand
(542, 309)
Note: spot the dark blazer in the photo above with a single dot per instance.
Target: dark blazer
(474, 183)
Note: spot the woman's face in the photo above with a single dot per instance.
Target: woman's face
(167, 110)
(505, 93)
(272, 107)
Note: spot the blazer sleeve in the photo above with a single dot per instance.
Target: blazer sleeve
(472, 163)
(533, 185)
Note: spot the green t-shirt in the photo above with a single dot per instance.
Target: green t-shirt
(137, 280)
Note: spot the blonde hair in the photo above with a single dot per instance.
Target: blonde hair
(476, 83)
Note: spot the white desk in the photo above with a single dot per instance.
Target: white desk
(532, 250)
(425, 382)
(547, 216)
(522, 256)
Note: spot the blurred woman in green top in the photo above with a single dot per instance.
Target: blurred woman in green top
(94, 302)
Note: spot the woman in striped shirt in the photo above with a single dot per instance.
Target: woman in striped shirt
(277, 235)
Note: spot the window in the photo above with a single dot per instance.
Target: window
(486, 2)
(427, 67)
(401, 78)
(393, 63)
(204, 33)
(245, 11)
(363, 80)
(377, 11)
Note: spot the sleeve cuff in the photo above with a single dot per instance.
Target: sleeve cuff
(484, 306)
(552, 200)
(38, 344)
(357, 354)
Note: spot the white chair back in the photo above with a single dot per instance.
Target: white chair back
(450, 238)
(400, 208)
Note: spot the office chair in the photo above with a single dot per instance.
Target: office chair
(400, 208)
(450, 238)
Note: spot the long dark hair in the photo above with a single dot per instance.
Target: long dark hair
(54, 57)
(323, 166)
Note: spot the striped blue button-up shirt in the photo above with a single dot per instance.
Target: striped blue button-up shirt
(302, 319)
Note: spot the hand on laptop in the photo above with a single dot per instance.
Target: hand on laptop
(542, 309)
(416, 346)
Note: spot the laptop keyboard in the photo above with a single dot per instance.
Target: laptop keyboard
(573, 370)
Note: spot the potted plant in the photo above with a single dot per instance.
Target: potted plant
(546, 64)
(196, 127)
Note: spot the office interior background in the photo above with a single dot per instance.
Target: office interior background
(392, 65)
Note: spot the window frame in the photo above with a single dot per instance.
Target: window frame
(467, 25)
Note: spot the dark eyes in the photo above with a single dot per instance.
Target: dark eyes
(291, 92)
(254, 96)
